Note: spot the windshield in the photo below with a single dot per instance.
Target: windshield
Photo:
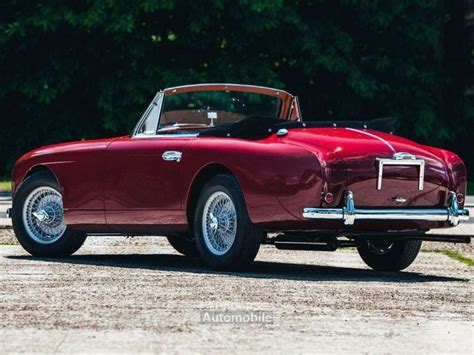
(191, 111)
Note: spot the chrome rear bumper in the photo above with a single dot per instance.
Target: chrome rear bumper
(349, 214)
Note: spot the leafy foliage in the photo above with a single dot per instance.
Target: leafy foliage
(78, 70)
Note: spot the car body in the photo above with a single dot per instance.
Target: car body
(296, 177)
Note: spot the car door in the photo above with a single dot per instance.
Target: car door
(142, 182)
(142, 186)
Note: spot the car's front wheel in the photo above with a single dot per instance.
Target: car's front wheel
(225, 236)
(38, 219)
(388, 256)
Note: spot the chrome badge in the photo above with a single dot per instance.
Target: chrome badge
(403, 156)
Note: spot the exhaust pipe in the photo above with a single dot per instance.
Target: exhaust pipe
(465, 239)
(300, 241)
(329, 244)
(445, 238)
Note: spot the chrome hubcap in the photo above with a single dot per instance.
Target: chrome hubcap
(43, 215)
(219, 223)
(380, 248)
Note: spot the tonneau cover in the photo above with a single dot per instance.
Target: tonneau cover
(256, 127)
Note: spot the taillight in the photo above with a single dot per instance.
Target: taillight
(460, 198)
(328, 197)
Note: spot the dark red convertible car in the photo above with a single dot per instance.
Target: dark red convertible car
(222, 168)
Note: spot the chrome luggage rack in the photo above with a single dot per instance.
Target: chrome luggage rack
(349, 214)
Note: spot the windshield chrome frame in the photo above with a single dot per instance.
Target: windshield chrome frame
(285, 98)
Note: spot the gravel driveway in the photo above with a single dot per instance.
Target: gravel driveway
(138, 295)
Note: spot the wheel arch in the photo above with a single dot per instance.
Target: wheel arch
(37, 169)
(41, 168)
(200, 179)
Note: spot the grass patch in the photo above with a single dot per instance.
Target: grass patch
(5, 186)
(470, 187)
(351, 249)
(453, 255)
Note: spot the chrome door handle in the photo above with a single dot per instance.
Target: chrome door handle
(172, 155)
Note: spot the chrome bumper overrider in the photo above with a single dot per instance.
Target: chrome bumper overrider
(349, 214)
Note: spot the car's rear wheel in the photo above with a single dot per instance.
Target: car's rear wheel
(38, 219)
(184, 245)
(388, 256)
(225, 236)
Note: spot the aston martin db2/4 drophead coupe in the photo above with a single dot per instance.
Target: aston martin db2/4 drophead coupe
(222, 168)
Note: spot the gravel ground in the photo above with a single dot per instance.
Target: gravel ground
(138, 295)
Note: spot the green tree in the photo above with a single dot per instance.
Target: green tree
(78, 70)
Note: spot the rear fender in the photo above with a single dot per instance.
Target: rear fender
(456, 169)
(276, 179)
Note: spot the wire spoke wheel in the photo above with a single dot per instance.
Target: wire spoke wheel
(219, 223)
(225, 237)
(43, 215)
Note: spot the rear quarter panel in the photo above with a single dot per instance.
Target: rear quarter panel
(276, 178)
(457, 173)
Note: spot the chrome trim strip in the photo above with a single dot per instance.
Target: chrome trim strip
(184, 135)
(349, 214)
(373, 136)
